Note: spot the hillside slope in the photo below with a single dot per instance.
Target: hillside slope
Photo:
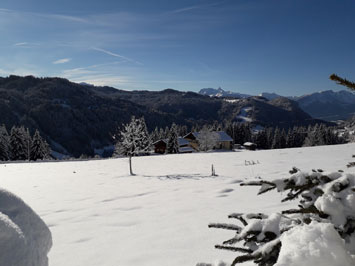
(76, 118)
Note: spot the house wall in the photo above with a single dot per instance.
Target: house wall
(226, 145)
(194, 144)
(160, 148)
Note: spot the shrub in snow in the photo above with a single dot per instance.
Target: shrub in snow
(25, 240)
(321, 231)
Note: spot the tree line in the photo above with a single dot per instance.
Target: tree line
(20, 145)
(134, 139)
(264, 138)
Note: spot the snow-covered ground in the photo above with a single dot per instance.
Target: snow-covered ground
(99, 215)
(243, 115)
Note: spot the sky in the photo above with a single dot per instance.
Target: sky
(289, 47)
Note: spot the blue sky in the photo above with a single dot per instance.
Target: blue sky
(248, 46)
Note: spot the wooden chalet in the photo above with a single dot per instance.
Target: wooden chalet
(224, 141)
(160, 146)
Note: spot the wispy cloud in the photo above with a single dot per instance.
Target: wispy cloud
(116, 55)
(62, 17)
(99, 74)
(26, 44)
(65, 17)
(62, 61)
(196, 7)
(21, 44)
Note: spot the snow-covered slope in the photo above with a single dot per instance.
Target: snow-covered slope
(328, 105)
(222, 93)
(269, 96)
(99, 215)
(328, 96)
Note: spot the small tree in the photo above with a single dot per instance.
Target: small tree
(207, 139)
(173, 145)
(132, 141)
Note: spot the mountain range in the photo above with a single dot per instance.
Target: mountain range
(326, 105)
(83, 119)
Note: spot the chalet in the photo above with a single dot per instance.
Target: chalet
(250, 146)
(224, 141)
(160, 146)
(184, 146)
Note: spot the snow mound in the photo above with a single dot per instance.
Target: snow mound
(25, 240)
(314, 244)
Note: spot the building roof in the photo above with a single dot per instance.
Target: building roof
(249, 144)
(222, 136)
(181, 141)
(161, 140)
(186, 149)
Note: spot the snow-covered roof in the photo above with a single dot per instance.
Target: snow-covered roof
(248, 144)
(222, 136)
(182, 141)
(186, 149)
(163, 140)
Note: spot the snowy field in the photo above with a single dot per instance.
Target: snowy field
(99, 215)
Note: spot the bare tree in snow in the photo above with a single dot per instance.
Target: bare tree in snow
(134, 140)
(207, 139)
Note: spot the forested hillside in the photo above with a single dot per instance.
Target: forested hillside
(76, 118)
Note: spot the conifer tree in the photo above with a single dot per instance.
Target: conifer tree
(276, 142)
(161, 134)
(166, 132)
(145, 141)
(4, 144)
(183, 130)
(18, 144)
(270, 136)
(28, 140)
(39, 149)
(260, 139)
(283, 139)
(322, 199)
(173, 145)
(154, 136)
(312, 138)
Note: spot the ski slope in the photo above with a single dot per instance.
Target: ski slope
(99, 215)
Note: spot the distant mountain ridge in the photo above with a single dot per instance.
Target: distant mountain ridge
(222, 93)
(81, 118)
(327, 105)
